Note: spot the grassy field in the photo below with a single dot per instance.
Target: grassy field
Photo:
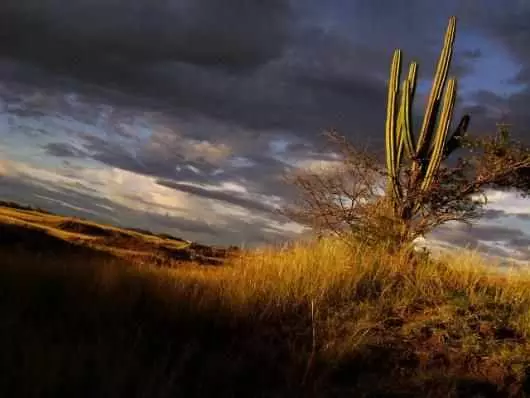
(315, 319)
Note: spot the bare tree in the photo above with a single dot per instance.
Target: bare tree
(350, 201)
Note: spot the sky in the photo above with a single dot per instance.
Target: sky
(182, 116)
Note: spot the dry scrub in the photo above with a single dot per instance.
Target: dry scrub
(312, 319)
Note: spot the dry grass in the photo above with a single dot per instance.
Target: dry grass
(118, 242)
(313, 319)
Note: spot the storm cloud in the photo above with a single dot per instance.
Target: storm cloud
(213, 102)
(263, 65)
(102, 35)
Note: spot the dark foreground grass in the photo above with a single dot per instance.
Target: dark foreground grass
(309, 321)
(78, 327)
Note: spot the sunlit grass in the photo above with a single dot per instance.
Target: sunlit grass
(271, 322)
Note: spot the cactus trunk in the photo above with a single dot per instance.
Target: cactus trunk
(432, 146)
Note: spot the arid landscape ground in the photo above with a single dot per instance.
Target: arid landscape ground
(92, 310)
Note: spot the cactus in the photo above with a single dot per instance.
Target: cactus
(432, 146)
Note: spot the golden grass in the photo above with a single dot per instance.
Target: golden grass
(350, 298)
(53, 223)
(119, 242)
(309, 319)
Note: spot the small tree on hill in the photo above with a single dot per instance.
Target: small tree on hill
(419, 187)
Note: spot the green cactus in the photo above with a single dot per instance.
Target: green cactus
(432, 145)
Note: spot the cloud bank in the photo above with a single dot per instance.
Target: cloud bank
(193, 110)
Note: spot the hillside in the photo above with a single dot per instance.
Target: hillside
(87, 311)
(40, 230)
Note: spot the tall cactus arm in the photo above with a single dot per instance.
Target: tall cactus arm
(412, 77)
(405, 137)
(440, 78)
(403, 124)
(407, 128)
(393, 87)
(441, 134)
(432, 145)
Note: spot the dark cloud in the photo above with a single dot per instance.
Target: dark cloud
(488, 239)
(505, 24)
(232, 198)
(101, 37)
(63, 150)
(161, 156)
(65, 201)
(473, 54)
(492, 214)
(525, 217)
(302, 76)
(521, 243)
(167, 156)
(494, 233)
(464, 236)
